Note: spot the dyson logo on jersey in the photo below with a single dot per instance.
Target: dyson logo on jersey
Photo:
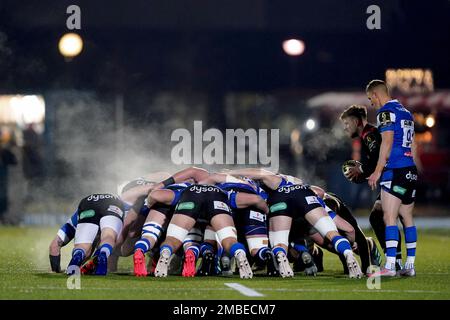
(234, 146)
(411, 176)
(97, 197)
(287, 189)
(144, 182)
(198, 189)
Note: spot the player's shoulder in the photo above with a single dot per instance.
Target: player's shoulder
(369, 130)
(390, 106)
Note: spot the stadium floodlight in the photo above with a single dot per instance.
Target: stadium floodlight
(70, 45)
(430, 121)
(310, 124)
(294, 47)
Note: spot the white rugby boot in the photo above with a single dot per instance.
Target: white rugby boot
(354, 271)
(284, 266)
(162, 267)
(408, 270)
(245, 271)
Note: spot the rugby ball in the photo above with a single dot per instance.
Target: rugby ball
(346, 170)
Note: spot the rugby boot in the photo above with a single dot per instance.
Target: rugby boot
(310, 267)
(283, 265)
(89, 266)
(162, 266)
(245, 271)
(272, 267)
(139, 264)
(102, 264)
(354, 271)
(189, 264)
(207, 266)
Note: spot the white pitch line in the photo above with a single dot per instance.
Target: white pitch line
(243, 289)
(353, 290)
(231, 287)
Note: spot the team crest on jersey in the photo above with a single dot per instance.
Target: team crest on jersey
(116, 210)
(220, 205)
(386, 118)
(255, 215)
(312, 199)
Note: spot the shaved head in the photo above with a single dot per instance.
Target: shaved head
(377, 85)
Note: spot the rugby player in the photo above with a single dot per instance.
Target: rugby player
(205, 202)
(366, 246)
(397, 174)
(156, 223)
(354, 119)
(133, 195)
(161, 203)
(250, 220)
(97, 212)
(289, 199)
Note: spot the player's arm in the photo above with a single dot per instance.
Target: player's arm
(373, 143)
(194, 173)
(163, 196)
(215, 178)
(65, 234)
(245, 200)
(55, 254)
(136, 192)
(387, 138)
(270, 179)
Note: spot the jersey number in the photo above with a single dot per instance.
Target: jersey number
(408, 133)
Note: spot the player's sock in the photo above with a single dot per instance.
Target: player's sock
(341, 245)
(165, 250)
(206, 247)
(410, 239)
(236, 248)
(78, 256)
(194, 250)
(142, 244)
(391, 246)
(300, 248)
(261, 256)
(106, 249)
(398, 256)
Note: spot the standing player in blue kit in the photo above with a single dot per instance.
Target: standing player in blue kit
(397, 173)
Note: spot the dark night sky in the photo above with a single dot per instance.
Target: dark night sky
(232, 45)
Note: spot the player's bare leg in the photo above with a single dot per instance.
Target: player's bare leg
(391, 205)
(323, 223)
(108, 238)
(279, 227)
(406, 212)
(227, 235)
(191, 246)
(151, 231)
(176, 232)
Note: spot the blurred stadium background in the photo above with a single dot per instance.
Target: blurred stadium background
(73, 126)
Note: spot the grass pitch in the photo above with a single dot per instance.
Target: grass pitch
(24, 274)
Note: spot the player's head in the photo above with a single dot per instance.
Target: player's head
(377, 93)
(354, 117)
